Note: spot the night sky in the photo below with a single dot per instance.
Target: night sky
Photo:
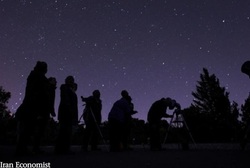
(152, 48)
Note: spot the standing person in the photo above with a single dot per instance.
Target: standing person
(43, 117)
(67, 115)
(128, 120)
(156, 112)
(52, 92)
(92, 118)
(118, 117)
(34, 106)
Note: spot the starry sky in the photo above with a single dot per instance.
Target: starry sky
(151, 48)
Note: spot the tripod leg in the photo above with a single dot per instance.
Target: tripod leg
(169, 127)
(99, 130)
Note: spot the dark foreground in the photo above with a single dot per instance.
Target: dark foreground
(203, 156)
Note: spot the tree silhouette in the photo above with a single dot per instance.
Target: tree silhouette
(245, 120)
(236, 124)
(212, 102)
(7, 124)
(4, 98)
(245, 109)
(198, 124)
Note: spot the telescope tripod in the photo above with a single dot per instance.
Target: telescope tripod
(178, 123)
(97, 127)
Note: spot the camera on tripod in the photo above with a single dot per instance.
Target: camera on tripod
(179, 126)
(177, 119)
(177, 112)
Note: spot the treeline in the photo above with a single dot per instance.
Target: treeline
(211, 118)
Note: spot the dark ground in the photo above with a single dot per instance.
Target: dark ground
(203, 156)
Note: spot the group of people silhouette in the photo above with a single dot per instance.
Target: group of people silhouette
(38, 105)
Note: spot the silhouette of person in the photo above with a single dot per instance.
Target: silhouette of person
(128, 121)
(52, 92)
(118, 118)
(67, 115)
(43, 118)
(92, 118)
(34, 106)
(156, 112)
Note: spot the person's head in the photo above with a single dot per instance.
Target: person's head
(52, 81)
(41, 67)
(245, 68)
(70, 80)
(96, 94)
(124, 93)
(171, 103)
(126, 96)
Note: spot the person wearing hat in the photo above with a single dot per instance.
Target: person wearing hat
(156, 112)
